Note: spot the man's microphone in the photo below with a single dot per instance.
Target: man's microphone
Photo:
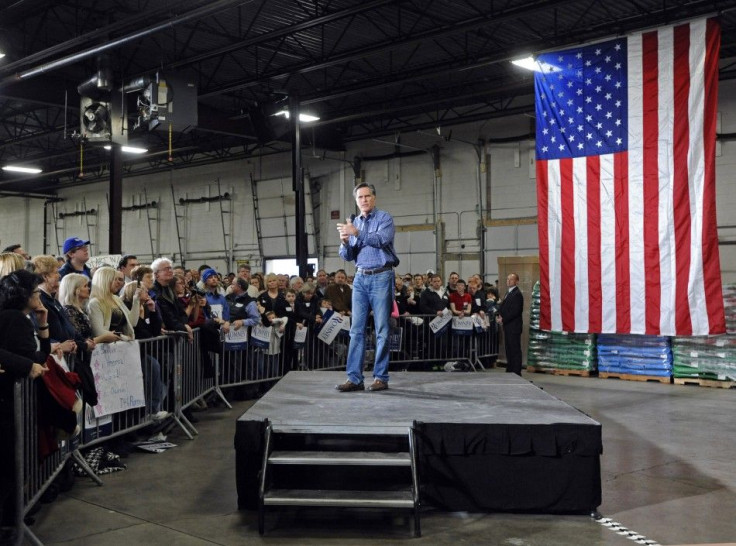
(352, 218)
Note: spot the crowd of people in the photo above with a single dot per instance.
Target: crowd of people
(59, 306)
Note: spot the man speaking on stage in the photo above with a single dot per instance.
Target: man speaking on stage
(368, 239)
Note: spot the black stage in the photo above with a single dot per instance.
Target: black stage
(485, 441)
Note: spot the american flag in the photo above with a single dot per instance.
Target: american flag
(626, 184)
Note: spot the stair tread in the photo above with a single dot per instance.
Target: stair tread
(351, 430)
(401, 498)
(368, 458)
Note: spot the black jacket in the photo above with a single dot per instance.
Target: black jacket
(173, 312)
(511, 309)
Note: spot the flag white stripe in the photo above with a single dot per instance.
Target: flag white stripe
(554, 222)
(580, 207)
(667, 244)
(608, 244)
(636, 186)
(696, 101)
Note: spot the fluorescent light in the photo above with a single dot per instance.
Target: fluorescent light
(530, 63)
(27, 170)
(527, 62)
(302, 116)
(133, 150)
(2, 54)
(129, 149)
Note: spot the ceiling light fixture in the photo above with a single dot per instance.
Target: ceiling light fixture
(531, 63)
(2, 54)
(129, 149)
(26, 170)
(302, 116)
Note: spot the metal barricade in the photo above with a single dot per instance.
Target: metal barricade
(252, 364)
(485, 346)
(34, 473)
(158, 364)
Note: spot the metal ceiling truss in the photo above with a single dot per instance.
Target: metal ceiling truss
(370, 68)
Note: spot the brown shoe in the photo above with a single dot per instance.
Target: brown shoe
(378, 385)
(349, 386)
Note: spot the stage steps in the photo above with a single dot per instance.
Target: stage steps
(354, 451)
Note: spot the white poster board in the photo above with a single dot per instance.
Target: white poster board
(116, 368)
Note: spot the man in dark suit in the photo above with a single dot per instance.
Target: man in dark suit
(510, 316)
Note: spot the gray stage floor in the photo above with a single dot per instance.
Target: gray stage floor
(308, 398)
(667, 471)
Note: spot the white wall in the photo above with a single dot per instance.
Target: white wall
(405, 187)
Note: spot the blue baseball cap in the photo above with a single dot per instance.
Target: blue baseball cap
(73, 242)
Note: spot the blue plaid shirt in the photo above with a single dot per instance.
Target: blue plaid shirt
(375, 233)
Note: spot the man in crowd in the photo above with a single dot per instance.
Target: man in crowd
(76, 252)
(172, 310)
(243, 308)
(510, 317)
(217, 302)
(127, 264)
(18, 249)
(340, 294)
(320, 290)
(244, 273)
(452, 281)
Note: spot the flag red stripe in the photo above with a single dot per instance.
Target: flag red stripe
(567, 251)
(595, 295)
(623, 271)
(545, 315)
(711, 261)
(681, 174)
(650, 134)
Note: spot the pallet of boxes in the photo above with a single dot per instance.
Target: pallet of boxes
(709, 361)
(558, 353)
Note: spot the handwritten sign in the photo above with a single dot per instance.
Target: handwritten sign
(118, 376)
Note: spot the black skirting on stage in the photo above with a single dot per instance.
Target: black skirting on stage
(485, 441)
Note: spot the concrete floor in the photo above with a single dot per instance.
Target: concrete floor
(668, 471)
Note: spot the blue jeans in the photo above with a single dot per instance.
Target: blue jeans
(370, 293)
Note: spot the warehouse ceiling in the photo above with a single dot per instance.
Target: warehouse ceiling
(367, 68)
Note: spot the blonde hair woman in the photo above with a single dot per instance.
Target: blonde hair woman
(107, 312)
(9, 262)
(74, 292)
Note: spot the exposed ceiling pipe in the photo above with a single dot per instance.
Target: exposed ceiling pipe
(100, 82)
(150, 14)
(197, 13)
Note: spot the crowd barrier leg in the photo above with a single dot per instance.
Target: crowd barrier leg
(219, 364)
(79, 459)
(179, 366)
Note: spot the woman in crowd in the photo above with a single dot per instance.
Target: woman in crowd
(107, 312)
(9, 262)
(149, 325)
(19, 358)
(74, 292)
(61, 331)
(272, 299)
(73, 296)
(257, 281)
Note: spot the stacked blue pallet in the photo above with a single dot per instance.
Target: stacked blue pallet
(634, 355)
